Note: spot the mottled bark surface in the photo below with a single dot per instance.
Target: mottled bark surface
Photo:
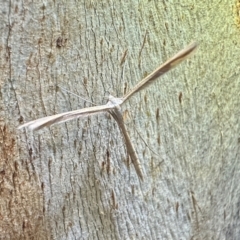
(74, 180)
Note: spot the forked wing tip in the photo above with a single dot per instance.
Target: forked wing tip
(24, 126)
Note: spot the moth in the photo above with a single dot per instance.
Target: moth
(113, 105)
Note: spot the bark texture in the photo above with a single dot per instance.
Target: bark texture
(74, 180)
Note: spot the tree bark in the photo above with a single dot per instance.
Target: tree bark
(74, 180)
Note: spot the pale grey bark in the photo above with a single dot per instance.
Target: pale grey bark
(72, 181)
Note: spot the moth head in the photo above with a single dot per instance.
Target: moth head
(114, 101)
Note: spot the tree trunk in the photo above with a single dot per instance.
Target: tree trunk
(74, 180)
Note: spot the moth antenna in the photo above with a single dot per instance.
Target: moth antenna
(64, 89)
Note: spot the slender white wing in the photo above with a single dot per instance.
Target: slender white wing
(165, 67)
(63, 117)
